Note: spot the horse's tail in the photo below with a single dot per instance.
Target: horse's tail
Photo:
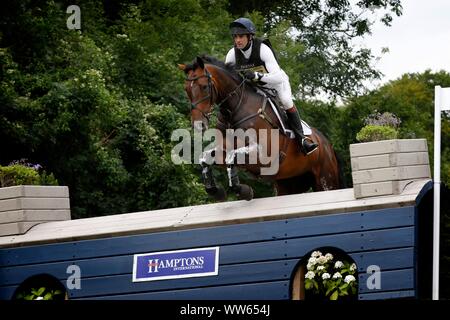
(342, 179)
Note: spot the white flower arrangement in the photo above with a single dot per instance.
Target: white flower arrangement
(316, 254)
(330, 279)
(349, 279)
(322, 260)
(326, 276)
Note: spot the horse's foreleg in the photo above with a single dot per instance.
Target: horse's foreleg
(233, 178)
(208, 179)
(206, 161)
(243, 191)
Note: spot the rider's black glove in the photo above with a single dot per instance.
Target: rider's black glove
(252, 75)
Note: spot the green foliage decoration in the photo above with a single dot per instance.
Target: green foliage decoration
(379, 127)
(41, 293)
(376, 133)
(23, 173)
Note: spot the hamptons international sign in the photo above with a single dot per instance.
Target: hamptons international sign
(201, 262)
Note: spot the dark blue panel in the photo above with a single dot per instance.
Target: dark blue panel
(233, 274)
(6, 293)
(201, 237)
(351, 242)
(291, 248)
(390, 281)
(228, 275)
(89, 268)
(278, 290)
(426, 188)
(387, 295)
(388, 259)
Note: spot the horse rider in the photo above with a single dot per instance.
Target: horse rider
(258, 63)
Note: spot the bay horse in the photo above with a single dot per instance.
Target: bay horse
(210, 83)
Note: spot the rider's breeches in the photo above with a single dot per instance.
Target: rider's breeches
(284, 92)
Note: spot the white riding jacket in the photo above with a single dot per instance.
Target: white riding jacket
(275, 77)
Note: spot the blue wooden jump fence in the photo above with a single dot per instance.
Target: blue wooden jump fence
(261, 245)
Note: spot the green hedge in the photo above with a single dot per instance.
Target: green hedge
(18, 174)
(376, 133)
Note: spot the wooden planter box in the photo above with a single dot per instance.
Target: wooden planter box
(22, 207)
(386, 167)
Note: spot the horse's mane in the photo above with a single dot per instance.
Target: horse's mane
(215, 62)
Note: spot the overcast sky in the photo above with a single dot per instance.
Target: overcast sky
(417, 40)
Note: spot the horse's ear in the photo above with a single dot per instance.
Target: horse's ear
(200, 63)
(182, 67)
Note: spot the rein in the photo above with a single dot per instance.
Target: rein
(209, 96)
(212, 90)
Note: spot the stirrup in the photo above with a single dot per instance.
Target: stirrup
(314, 145)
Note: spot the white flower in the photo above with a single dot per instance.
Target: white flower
(338, 264)
(310, 275)
(322, 260)
(326, 275)
(353, 267)
(316, 254)
(309, 266)
(39, 298)
(329, 256)
(349, 278)
(337, 275)
(312, 261)
(319, 268)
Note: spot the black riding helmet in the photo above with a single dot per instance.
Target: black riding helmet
(242, 26)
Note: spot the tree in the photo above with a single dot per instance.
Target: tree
(96, 107)
(326, 60)
(411, 98)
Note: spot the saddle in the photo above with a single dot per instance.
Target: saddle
(272, 99)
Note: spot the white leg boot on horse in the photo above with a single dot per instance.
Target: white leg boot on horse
(306, 144)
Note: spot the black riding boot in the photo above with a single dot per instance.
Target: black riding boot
(306, 144)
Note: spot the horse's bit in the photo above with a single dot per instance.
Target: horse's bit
(212, 89)
(209, 96)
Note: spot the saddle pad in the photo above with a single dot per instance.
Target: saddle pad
(283, 120)
(306, 128)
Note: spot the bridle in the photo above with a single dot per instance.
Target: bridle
(211, 87)
(212, 90)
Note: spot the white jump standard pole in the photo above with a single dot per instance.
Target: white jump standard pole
(436, 189)
(441, 103)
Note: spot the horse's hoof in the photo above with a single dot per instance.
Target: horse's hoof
(245, 192)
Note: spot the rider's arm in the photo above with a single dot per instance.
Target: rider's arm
(275, 74)
(231, 58)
